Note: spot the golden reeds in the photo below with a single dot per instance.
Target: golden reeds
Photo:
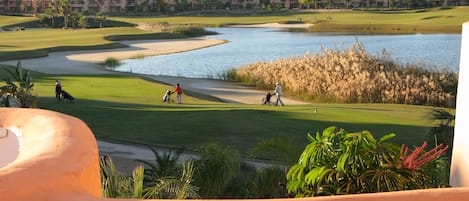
(354, 76)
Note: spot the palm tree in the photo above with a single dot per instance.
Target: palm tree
(165, 164)
(166, 179)
(64, 9)
(50, 13)
(100, 18)
(115, 185)
(174, 187)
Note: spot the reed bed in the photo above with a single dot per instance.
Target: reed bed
(354, 76)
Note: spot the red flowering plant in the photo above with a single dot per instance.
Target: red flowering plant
(419, 159)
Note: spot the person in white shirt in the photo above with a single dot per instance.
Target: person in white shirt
(278, 93)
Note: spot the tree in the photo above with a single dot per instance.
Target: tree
(337, 162)
(83, 21)
(64, 9)
(308, 3)
(100, 18)
(50, 13)
(74, 18)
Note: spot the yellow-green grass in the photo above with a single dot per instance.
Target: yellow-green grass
(128, 108)
(429, 20)
(38, 43)
(12, 20)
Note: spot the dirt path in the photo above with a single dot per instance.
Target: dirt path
(229, 92)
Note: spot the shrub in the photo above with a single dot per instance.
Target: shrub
(338, 162)
(111, 62)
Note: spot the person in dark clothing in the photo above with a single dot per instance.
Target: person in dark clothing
(58, 90)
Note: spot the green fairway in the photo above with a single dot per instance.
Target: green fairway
(430, 20)
(9, 20)
(130, 109)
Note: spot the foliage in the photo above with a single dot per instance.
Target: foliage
(165, 164)
(115, 185)
(215, 169)
(111, 62)
(277, 148)
(354, 76)
(100, 18)
(443, 132)
(417, 159)
(64, 8)
(23, 92)
(338, 162)
(174, 187)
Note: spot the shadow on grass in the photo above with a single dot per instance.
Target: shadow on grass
(193, 126)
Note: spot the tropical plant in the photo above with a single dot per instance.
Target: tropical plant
(50, 13)
(115, 185)
(215, 169)
(166, 179)
(174, 187)
(83, 20)
(338, 162)
(23, 92)
(100, 19)
(165, 164)
(64, 9)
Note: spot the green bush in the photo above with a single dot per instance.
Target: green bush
(112, 62)
(337, 162)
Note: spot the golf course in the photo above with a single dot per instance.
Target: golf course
(127, 107)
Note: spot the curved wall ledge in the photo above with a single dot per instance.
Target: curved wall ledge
(58, 155)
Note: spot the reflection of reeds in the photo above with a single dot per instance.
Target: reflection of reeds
(354, 76)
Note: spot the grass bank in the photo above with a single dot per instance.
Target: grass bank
(39, 42)
(128, 108)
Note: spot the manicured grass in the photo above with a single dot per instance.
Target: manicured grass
(12, 20)
(127, 108)
(429, 20)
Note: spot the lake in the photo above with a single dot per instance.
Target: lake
(249, 45)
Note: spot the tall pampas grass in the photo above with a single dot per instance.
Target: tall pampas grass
(354, 76)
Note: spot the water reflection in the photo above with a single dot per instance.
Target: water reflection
(248, 45)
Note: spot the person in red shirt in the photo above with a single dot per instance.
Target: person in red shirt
(178, 91)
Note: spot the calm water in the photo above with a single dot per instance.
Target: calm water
(248, 45)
